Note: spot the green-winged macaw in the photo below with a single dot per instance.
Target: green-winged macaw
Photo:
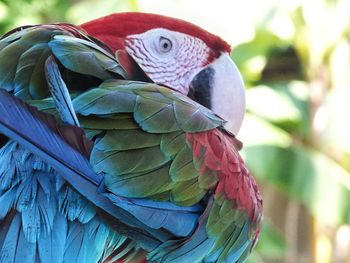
(122, 145)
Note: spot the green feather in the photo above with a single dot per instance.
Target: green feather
(78, 56)
(235, 242)
(9, 57)
(214, 225)
(156, 109)
(92, 133)
(122, 123)
(182, 168)
(122, 140)
(100, 101)
(30, 82)
(130, 161)
(228, 225)
(187, 191)
(172, 143)
(208, 179)
(155, 116)
(227, 212)
(191, 117)
(89, 44)
(46, 105)
(227, 232)
(139, 186)
(11, 37)
(39, 34)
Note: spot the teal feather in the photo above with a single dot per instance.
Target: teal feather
(172, 143)
(30, 79)
(73, 205)
(122, 140)
(51, 245)
(7, 200)
(60, 93)
(182, 168)
(195, 248)
(131, 161)
(144, 185)
(9, 246)
(25, 250)
(77, 55)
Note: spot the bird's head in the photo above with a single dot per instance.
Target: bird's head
(179, 55)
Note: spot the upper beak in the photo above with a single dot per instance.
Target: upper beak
(219, 87)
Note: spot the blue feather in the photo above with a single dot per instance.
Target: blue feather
(5, 225)
(241, 244)
(95, 237)
(74, 206)
(29, 127)
(60, 93)
(7, 167)
(73, 242)
(9, 246)
(85, 242)
(31, 223)
(51, 245)
(114, 244)
(7, 200)
(47, 207)
(179, 220)
(194, 249)
(26, 250)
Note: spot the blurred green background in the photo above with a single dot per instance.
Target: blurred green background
(295, 61)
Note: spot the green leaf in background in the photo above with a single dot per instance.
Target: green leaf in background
(251, 57)
(305, 175)
(271, 244)
(272, 105)
(256, 130)
(284, 104)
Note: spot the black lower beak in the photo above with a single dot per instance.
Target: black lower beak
(201, 87)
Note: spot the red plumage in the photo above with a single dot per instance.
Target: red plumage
(234, 180)
(113, 29)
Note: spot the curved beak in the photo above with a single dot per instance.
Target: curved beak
(219, 87)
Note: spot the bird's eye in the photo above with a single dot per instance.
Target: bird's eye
(165, 44)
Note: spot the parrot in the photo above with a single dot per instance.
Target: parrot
(119, 144)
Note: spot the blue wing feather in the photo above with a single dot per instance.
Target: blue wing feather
(73, 243)
(59, 92)
(51, 245)
(27, 126)
(179, 220)
(9, 246)
(7, 200)
(25, 250)
(94, 240)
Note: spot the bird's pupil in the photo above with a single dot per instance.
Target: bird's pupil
(165, 44)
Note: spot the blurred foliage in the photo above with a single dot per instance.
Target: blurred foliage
(296, 133)
(23, 12)
(296, 67)
(281, 97)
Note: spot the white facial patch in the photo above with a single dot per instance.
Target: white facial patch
(168, 58)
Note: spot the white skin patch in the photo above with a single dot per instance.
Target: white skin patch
(173, 59)
(167, 57)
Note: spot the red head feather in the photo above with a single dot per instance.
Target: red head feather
(113, 29)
